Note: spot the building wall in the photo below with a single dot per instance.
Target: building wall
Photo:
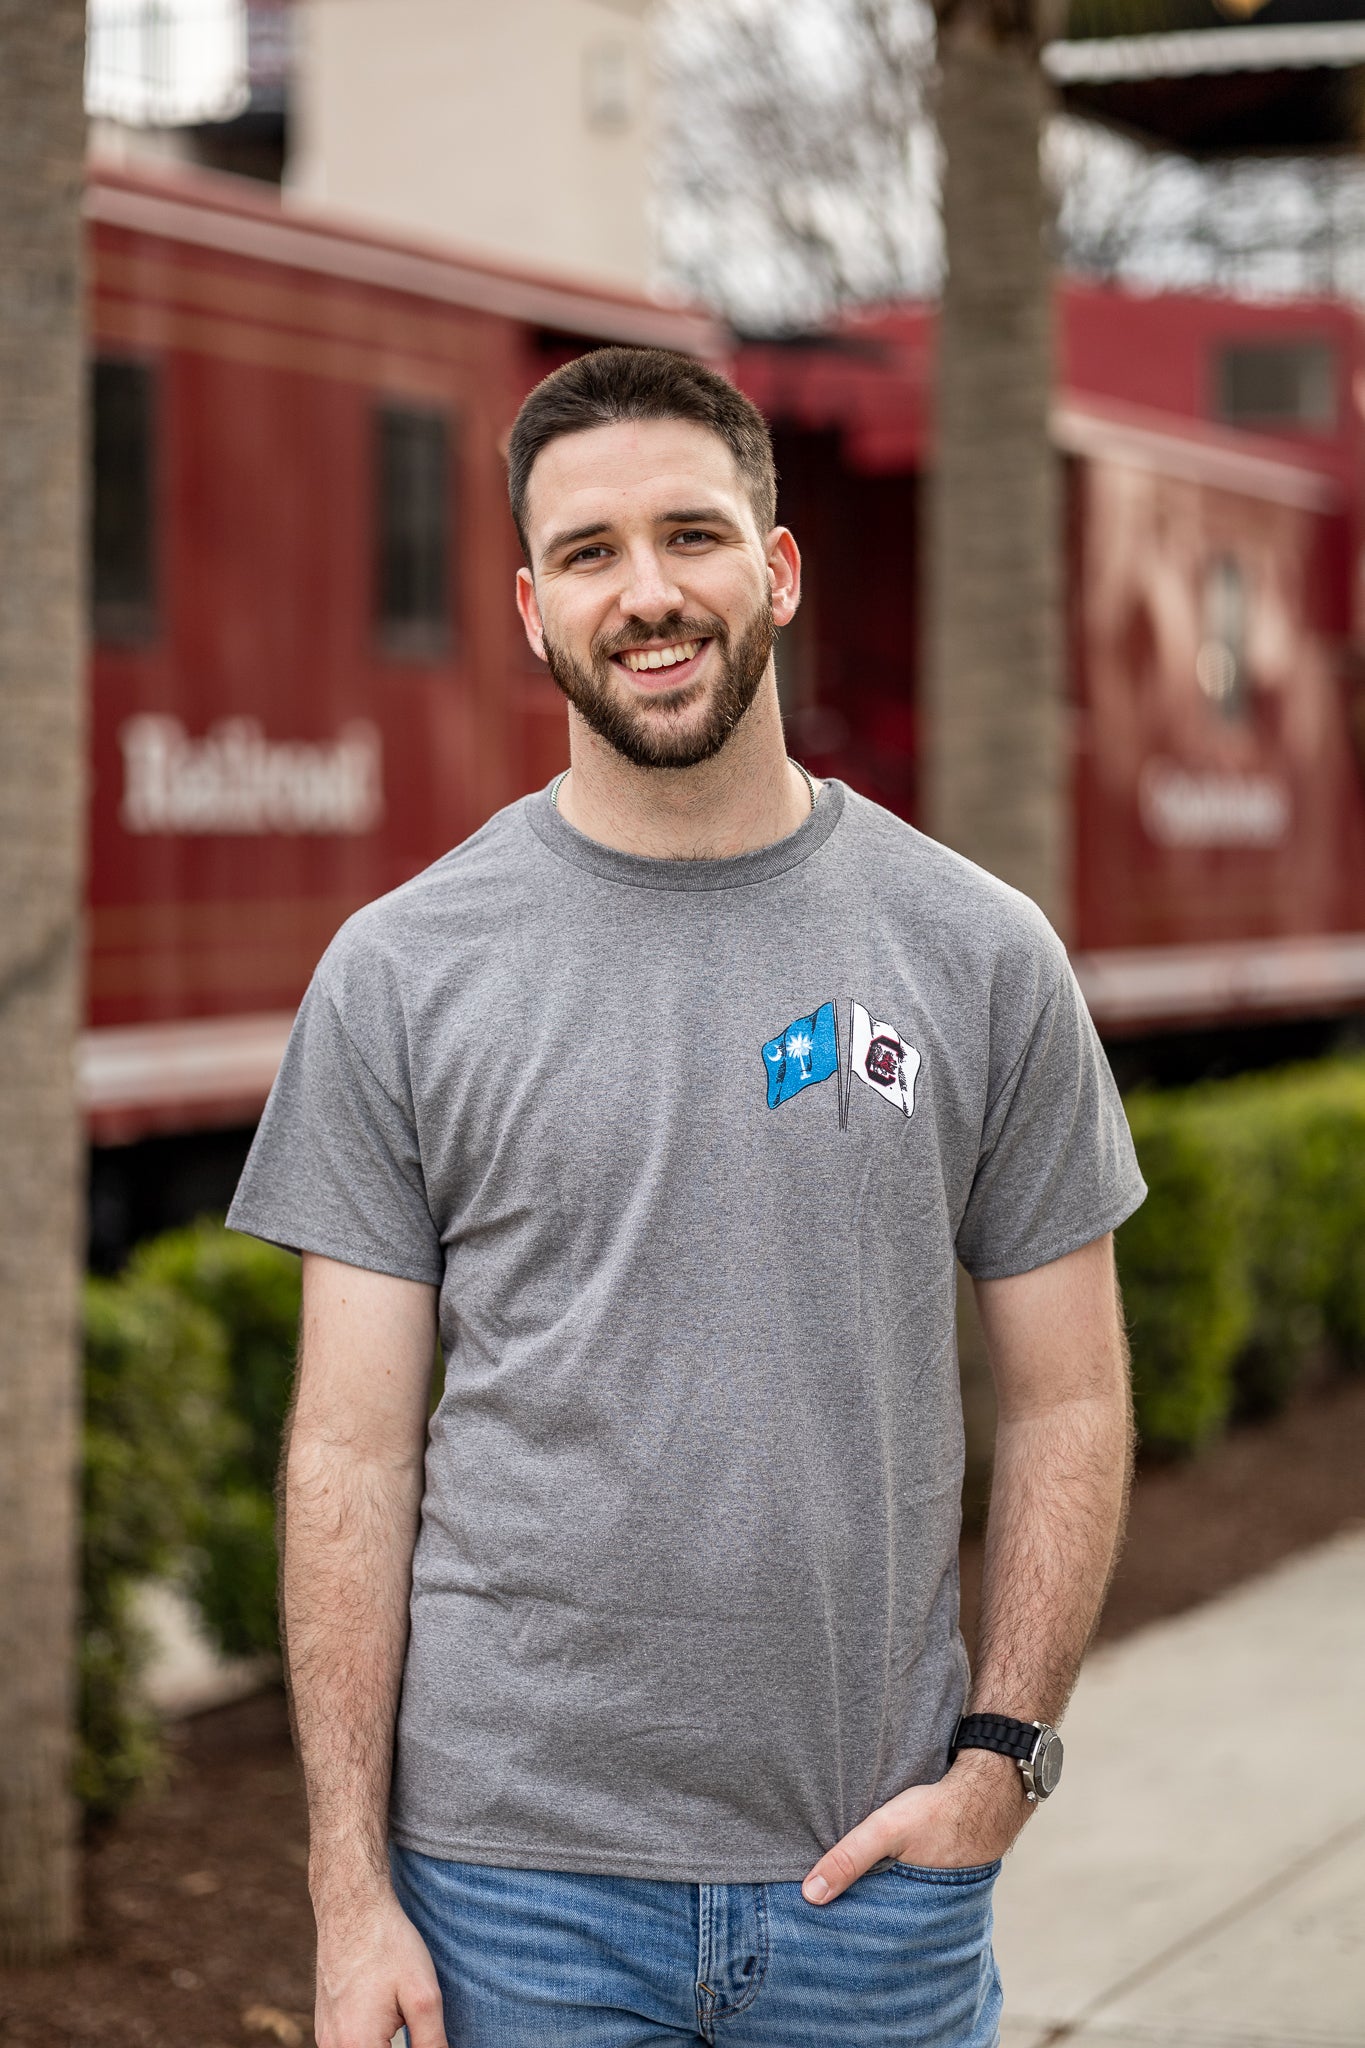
(519, 129)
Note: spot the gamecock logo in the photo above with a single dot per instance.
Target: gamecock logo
(884, 1062)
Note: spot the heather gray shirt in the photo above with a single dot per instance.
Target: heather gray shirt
(688, 1148)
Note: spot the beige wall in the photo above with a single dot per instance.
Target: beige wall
(518, 127)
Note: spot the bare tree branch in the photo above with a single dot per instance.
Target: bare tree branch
(801, 173)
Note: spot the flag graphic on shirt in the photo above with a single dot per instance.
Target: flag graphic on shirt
(879, 1056)
(806, 1053)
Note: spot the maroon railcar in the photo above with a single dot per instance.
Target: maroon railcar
(308, 675)
(308, 678)
(1214, 595)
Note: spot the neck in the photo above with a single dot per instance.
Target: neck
(746, 796)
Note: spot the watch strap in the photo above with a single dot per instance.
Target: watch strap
(1000, 1732)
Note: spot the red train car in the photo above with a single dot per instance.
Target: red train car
(308, 679)
(1215, 624)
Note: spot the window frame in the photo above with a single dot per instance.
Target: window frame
(128, 621)
(1325, 352)
(420, 638)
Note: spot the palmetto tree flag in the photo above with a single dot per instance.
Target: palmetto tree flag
(806, 1053)
(879, 1056)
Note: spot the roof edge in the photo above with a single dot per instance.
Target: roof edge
(213, 209)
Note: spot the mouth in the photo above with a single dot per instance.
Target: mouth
(667, 666)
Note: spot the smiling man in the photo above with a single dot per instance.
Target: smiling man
(667, 1103)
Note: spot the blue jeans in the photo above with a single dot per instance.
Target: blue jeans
(553, 1959)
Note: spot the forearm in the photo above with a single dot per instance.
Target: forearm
(351, 1522)
(1058, 1501)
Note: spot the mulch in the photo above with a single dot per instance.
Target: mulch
(197, 1927)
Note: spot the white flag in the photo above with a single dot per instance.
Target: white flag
(882, 1058)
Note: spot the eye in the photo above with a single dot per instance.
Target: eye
(592, 553)
(693, 534)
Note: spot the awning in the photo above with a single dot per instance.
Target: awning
(1275, 85)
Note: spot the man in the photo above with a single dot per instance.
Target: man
(668, 1099)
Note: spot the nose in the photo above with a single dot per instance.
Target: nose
(648, 590)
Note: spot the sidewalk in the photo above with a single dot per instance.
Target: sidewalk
(1199, 1879)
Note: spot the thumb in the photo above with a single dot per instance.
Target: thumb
(847, 1861)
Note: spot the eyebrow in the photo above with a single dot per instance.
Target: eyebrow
(570, 537)
(704, 515)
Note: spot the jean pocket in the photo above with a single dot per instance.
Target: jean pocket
(971, 1873)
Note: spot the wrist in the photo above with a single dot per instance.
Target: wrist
(987, 1767)
(985, 1806)
(347, 1882)
(990, 1780)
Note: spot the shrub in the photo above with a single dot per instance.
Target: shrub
(1244, 1269)
(1329, 1142)
(157, 1430)
(1271, 1139)
(252, 1289)
(1184, 1278)
(233, 1571)
(252, 1292)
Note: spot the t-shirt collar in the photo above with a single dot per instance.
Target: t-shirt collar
(642, 871)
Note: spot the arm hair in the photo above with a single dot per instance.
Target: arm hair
(1063, 1468)
(351, 1494)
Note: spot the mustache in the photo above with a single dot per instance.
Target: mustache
(675, 627)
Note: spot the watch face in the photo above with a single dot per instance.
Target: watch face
(1047, 1765)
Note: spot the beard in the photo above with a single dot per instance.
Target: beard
(647, 732)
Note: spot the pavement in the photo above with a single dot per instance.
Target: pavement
(1198, 1880)
(185, 1672)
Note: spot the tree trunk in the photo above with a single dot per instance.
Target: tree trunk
(995, 751)
(995, 766)
(42, 575)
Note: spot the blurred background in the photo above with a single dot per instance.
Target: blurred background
(332, 244)
(1056, 312)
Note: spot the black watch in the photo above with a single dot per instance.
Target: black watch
(1036, 1748)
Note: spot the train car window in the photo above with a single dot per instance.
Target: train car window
(1220, 664)
(123, 500)
(1271, 384)
(414, 526)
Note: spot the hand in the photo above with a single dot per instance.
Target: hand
(375, 1976)
(970, 1816)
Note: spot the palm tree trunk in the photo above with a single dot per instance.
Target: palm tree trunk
(995, 767)
(995, 762)
(42, 383)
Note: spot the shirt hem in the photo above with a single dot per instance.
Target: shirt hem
(591, 1863)
(242, 1221)
(1058, 1248)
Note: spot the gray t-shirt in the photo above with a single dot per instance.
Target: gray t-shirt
(688, 1148)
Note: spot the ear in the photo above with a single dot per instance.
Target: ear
(784, 574)
(529, 608)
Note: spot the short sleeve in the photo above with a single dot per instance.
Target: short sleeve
(335, 1166)
(1056, 1167)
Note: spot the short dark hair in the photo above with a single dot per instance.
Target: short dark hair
(614, 384)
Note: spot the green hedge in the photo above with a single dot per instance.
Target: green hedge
(188, 1363)
(1243, 1271)
(251, 1291)
(157, 1429)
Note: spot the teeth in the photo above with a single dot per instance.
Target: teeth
(660, 657)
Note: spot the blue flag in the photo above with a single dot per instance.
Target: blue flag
(805, 1053)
